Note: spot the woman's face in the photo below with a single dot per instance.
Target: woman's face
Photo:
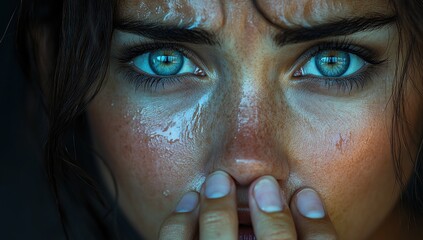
(198, 86)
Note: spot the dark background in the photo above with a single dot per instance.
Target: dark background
(27, 209)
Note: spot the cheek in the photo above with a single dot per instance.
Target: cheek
(154, 156)
(346, 156)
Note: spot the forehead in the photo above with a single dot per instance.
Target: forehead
(214, 13)
(193, 13)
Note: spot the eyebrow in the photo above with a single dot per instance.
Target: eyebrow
(341, 27)
(167, 32)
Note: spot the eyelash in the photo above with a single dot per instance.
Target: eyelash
(146, 81)
(347, 83)
(149, 82)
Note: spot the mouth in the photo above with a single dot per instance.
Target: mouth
(245, 229)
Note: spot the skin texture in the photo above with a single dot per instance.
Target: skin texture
(249, 117)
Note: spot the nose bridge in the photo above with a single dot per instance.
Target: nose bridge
(251, 123)
(251, 149)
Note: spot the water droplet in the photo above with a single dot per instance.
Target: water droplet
(166, 193)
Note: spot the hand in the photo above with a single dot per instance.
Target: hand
(213, 214)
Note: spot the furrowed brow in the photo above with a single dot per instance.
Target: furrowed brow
(341, 27)
(167, 32)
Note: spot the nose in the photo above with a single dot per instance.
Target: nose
(251, 145)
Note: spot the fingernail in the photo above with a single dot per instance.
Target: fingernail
(309, 204)
(188, 202)
(267, 195)
(217, 185)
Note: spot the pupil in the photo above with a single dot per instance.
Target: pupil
(332, 60)
(167, 59)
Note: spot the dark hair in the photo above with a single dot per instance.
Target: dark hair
(410, 29)
(78, 36)
(78, 43)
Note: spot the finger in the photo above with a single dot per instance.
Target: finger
(218, 213)
(310, 216)
(182, 223)
(270, 215)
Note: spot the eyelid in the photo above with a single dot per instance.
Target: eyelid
(152, 83)
(368, 55)
(326, 85)
(130, 52)
(187, 63)
(354, 59)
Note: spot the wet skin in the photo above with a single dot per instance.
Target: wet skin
(247, 114)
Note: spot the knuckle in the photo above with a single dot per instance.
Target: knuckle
(280, 234)
(215, 217)
(167, 227)
(173, 226)
(320, 230)
(322, 236)
(329, 237)
(279, 227)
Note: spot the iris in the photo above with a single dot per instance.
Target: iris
(166, 62)
(332, 63)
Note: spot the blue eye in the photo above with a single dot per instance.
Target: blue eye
(165, 62)
(332, 64)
